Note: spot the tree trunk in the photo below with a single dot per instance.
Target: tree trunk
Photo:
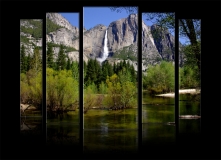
(193, 41)
(189, 29)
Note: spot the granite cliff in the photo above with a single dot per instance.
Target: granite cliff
(122, 38)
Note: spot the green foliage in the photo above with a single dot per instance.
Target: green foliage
(53, 44)
(190, 72)
(51, 95)
(160, 78)
(102, 88)
(50, 55)
(89, 97)
(85, 70)
(93, 72)
(121, 91)
(61, 61)
(191, 60)
(124, 76)
(28, 62)
(128, 89)
(107, 70)
(125, 53)
(68, 67)
(36, 61)
(62, 86)
(31, 88)
(24, 39)
(114, 90)
(69, 49)
(36, 89)
(66, 48)
(75, 69)
(51, 26)
(188, 77)
(62, 89)
(128, 94)
(36, 31)
(24, 88)
(23, 60)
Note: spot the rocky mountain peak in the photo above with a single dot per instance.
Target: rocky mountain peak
(61, 21)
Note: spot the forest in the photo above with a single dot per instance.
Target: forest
(105, 86)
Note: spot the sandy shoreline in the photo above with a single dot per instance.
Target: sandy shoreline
(181, 91)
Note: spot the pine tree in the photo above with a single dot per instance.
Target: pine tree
(23, 60)
(124, 63)
(28, 62)
(36, 61)
(50, 61)
(115, 68)
(68, 64)
(110, 69)
(61, 62)
(85, 69)
(75, 69)
(90, 73)
(104, 72)
(128, 65)
(133, 74)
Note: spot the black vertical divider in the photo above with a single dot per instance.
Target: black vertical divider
(139, 80)
(177, 75)
(44, 108)
(81, 80)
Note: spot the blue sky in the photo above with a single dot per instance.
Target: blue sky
(100, 15)
(73, 18)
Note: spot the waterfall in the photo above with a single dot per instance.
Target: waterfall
(105, 53)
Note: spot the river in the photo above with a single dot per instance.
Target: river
(115, 131)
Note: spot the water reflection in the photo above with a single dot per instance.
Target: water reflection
(62, 134)
(31, 125)
(189, 126)
(189, 104)
(106, 119)
(158, 134)
(31, 132)
(70, 117)
(63, 129)
(158, 109)
(101, 141)
(106, 130)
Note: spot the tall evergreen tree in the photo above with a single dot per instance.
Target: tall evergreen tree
(85, 69)
(128, 65)
(23, 60)
(50, 61)
(28, 62)
(98, 72)
(110, 69)
(115, 68)
(90, 73)
(124, 63)
(36, 61)
(75, 69)
(104, 72)
(61, 62)
(68, 67)
(133, 74)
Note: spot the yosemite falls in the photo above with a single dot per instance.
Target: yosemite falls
(105, 52)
